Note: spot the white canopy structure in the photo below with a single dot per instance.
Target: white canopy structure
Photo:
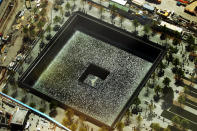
(138, 2)
(121, 2)
(170, 26)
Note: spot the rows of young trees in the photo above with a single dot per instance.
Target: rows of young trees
(160, 90)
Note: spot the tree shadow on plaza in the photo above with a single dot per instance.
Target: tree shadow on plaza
(150, 116)
(168, 99)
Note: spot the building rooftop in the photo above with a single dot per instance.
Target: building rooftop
(191, 7)
(19, 116)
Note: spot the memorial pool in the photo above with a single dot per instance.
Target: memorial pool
(96, 69)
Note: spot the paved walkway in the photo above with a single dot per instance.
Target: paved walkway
(12, 51)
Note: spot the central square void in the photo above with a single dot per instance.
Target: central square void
(92, 67)
(94, 75)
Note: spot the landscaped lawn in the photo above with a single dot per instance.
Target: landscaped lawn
(194, 81)
(190, 88)
(173, 128)
(192, 102)
(190, 105)
(169, 115)
(184, 113)
(192, 94)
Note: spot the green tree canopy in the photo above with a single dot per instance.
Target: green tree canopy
(103, 129)
(157, 89)
(120, 126)
(184, 123)
(32, 33)
(166, 129)
(48, 29)
(181, 99)
(35, 10)
(162, 65)
(69, 114)
(82, 129)
(67, 6)
(166, 81)
(151, 107)
(176, 62)
(176, 41)
(186, 90)
(155, 126)
(169, 58)
(176, 120)
(135, 23)
(44, 4)
(74, 127)
(57, 19)
(40, 24)
(172, 50)
(32, 104)
(190, 40)
(180, 73)
(65, 122)
(101, 9)
(147, 29)
(136, 101)
(53, 105)
(195, 61)
(42, 109)
(25, 29)
(139, 118)
(113, 8)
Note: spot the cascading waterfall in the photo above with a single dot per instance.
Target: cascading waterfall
(106, 100)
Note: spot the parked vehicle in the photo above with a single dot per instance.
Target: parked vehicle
(21, 13)
(149, 7)
(182, 2)
(164, 13)
(12, 65)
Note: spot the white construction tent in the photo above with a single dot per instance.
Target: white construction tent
(170, 26)
(121, 2)
(138, 2)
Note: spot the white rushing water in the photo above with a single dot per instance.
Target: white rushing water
(60, 79)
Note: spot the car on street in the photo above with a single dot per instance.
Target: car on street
(12, 65)
(164, 13)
